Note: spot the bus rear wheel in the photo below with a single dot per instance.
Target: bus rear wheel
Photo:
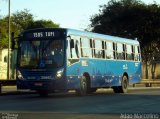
(124, 86)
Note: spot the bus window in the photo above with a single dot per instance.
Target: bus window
(137, 54)
(129, 52)
(133, 52)
(74, 49)
(85, 42)
(114, 50)
(120, 52)
(68, 48)
(103, 49)
(109, 50)
(124, 51)
(77, 48)
(85, 47)
(98, 49)
(91, 46)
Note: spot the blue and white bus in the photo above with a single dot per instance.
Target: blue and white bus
(59, 59)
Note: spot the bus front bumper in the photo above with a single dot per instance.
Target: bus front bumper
(49, 85)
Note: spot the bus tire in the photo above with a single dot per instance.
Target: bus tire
(124, 86)
(84, 86)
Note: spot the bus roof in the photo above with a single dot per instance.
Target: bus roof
(87, 34)
(102, 36)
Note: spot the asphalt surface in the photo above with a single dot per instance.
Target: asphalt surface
(104, 104)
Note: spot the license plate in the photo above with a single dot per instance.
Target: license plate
(38, 84)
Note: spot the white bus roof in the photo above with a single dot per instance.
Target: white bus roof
(102, 36)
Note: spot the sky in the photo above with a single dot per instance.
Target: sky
(74, 14)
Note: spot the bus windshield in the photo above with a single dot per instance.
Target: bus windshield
(41, 54)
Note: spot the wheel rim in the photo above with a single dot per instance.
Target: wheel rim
(84, 86)
(125, 84)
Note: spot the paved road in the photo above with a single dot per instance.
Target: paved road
(103, 104)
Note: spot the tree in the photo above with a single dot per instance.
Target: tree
(21, 21)
(3, 33)
(42, 24)
(131, 19)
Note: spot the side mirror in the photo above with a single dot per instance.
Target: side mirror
(12, 40)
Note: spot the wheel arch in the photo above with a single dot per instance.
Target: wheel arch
(87, 75)
(126, 74)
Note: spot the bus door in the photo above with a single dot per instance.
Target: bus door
(73, 62)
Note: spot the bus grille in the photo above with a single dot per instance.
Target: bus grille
(38, 73)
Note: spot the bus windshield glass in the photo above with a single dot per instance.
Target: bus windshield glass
(41, 54)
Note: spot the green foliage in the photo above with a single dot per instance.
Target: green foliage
(3, 33)
(21, 21)
(42, 24)
(130, 19)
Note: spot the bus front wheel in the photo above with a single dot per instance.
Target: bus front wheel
(84, 86)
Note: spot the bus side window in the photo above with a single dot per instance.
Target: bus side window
(120, 51)
(129, 52)
(98, 49)
(124, 51)
(68, 48)
(133, 52)
(137, 53)
(77, 48)
(94, 51)
(91, 46)
(74, 49)
(103, 49)
(114, 50)
(109, 50)
(86, 50)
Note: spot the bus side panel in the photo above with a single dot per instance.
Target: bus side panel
(135, 75)
(103, 73)
(73, 75)
(107, 73)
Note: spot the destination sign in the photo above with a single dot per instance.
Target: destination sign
(43, 34)
(47, 34)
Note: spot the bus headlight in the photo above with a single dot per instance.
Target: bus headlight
(19, 75)
(59, 73)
